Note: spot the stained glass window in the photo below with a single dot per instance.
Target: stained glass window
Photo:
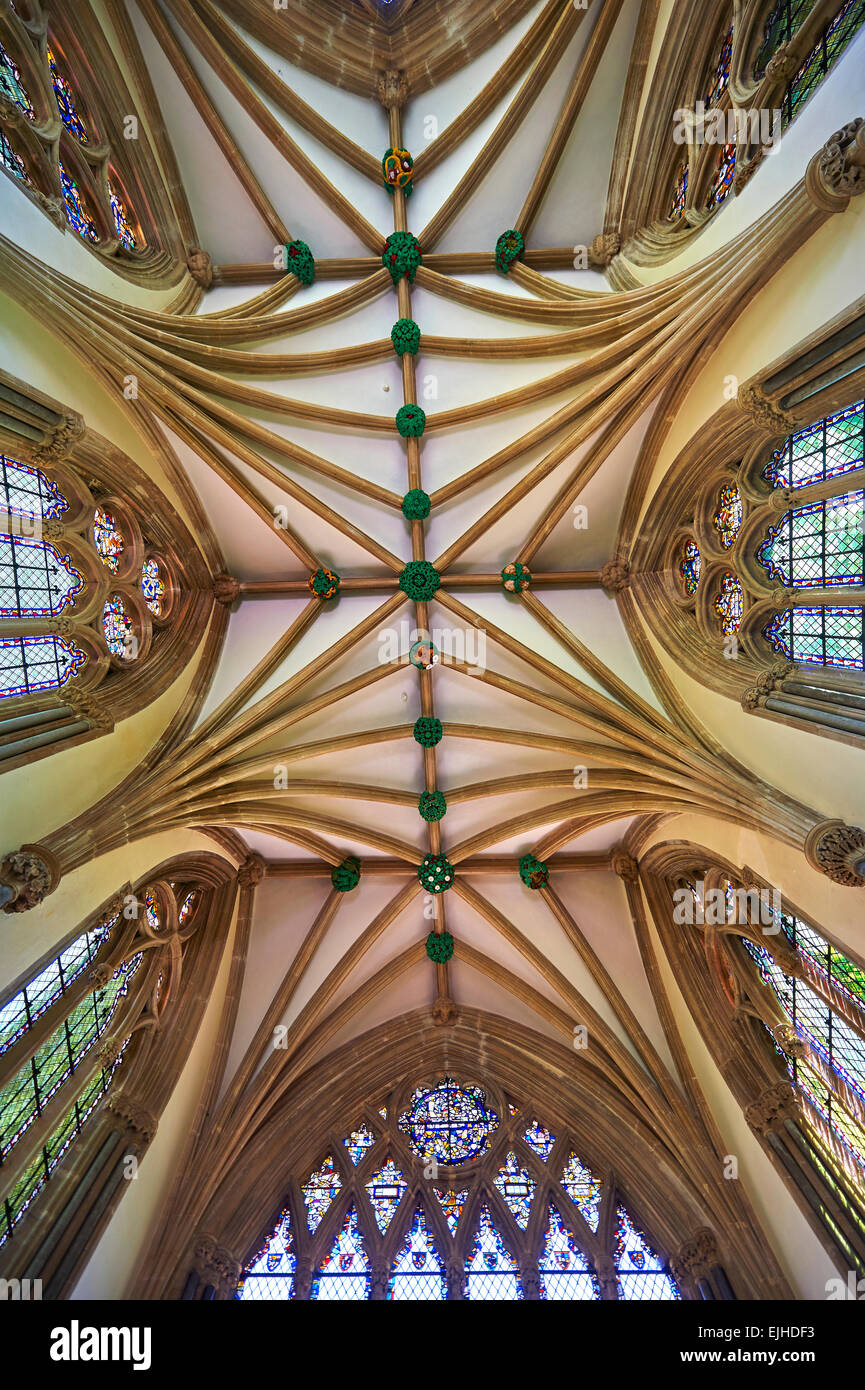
(28, 664)
(832, 42)
(186, 908)
(721, 75)
(108, 538)
(728, 604)
(832, 445)
(564, 1269)
(820, 636)
(119, 629)
(358, 1143)
(821, 544)
(35, 579)
(270, 1276)
(385, 1189)
(835, 968)
(153, 587)
(344, 1274)
(492, 1273)
(783, 21)
(640, 1273)
(418, 1270)
(11, 159)
(20, 1012)
(728, 515)
(452, 1204)
(66, 101)
(680, 192)
(122, 225)
(152, 909)
(517, 1186)
(25, 1096)
(34, 1178)
(11, 85)
(319, 1191)
(448, 1122)
(722, 179)
(584, 1190)
(540, 1140)
(76, 209)
(26, 491)
(690, 566)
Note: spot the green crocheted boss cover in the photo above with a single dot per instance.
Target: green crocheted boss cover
(346, 875)
(509, 248)
(416, 505)
(440, 946)
(411, 421)
(402, 256)
(432, 805)
(419, 580)
(405, 336)
(427, 732)
(435, 873)
(533, 872)
(299, 260)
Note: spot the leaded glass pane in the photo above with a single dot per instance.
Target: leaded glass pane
(832, 42)
(448, 1122)
(11, 85)
(517, 1186)
(29, 664)
(358, 1143)
(77, 214)
(728, 514)
(119, 629)
(35, 579)
(820, 636)
(319, 1191)
(385, 1189)
(640, 1272)
(122, 225)
(108, 539)
(835, 444)
(26, 491)
(20, 1012)
(564, 1269)
(721, 74)
(418, 1270)
(269, 1277)
(452, 1204)
(818, 545)
(344, 1275)
(783, 21)
(540, 1140)
(680, 192)
(11, 159)
(492, 1273)
(153, 587)
(728, 604)
(690, 566)
(722, 179)
(584, 1190)
(66, 101)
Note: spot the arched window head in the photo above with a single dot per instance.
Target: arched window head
(820, 636)
(729, 604)
(35, 579)
(831, 445)
(345, 1274)
(11, 85)
(449, 1123)
(418, 1271)
(818, 545)
(78, 214)
(31, 664)
(784, 19)
(26, 491)
(66, 101)
(640, 1273)
(720, 76)
(831, 43)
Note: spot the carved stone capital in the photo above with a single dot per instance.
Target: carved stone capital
(226, 589)
(29, 874)
(63, 627)
(86, 706)
(392, 89)
(780, 500)
(837, 171)
(783, 64)
(605, 1269)
(59, 440)
(752, 401)
(838, 851)
(444, 1011)
(624, 864)
(771, 1108)
(99, 976)
(695, 1257)
(604, 248)
(108, 1049)
(215, 1264)
(746, 171)
(616, 575)
(200, 267)
(251, 871)
(52, 529)
(131, 1116)
(766, 682)
(783, 597)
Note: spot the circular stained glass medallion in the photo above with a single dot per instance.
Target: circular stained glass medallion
(448, 1122)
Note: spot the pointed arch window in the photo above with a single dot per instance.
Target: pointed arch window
(818, 545)
(820, 636)
(31, 664)
(418, 1270)
(832, 445)
(18, 1014)
(66, 101)
(834, 38)
(564, 1270)
(640, 1273)
(345, 1274)
(270, 1276)
(492, 1272)
(35, 579)
(26, 491)
(77, 213)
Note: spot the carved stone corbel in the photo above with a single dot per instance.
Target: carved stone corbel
(836, 173)
(767, 681)
(838, 851)
(226, 589)
(772, 1108)
(746, 171)
(59, 440)
(789, 1041)
(444, 1011)
(624, 864)
(751, 399)
(200, 267)
(616, 575)
(214, 1264)
(604, 249)
(132, 1117)
(27, 877)
(86, 706)
(251, 871)
(783, 64)
(695, 1257)
(392, 89)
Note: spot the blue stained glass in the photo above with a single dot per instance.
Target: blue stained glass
(690, 566)
(540, 1140)
(319, 1191)
(448, 1122)
(358, 1143)
(418, 1270)
(66, 102)
(20, 1012)
(564, 1270)
(821, 544)
(680, 192)
(727, 520)
(11, 159)
(11, 85)
(35, 579)
(76, 211)
(721, 75)
(820, 636)
(640, 1272)
(728, 604)
(270, 1275)
(492, 1273)
(26, 491)
(517, 1186)
(722, 180)
(29, 664)
(832, 445)
(122, 225)
(119, 629)
(385, 1189)
(452, 1204)
(584, 1190)
(344, 1275)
